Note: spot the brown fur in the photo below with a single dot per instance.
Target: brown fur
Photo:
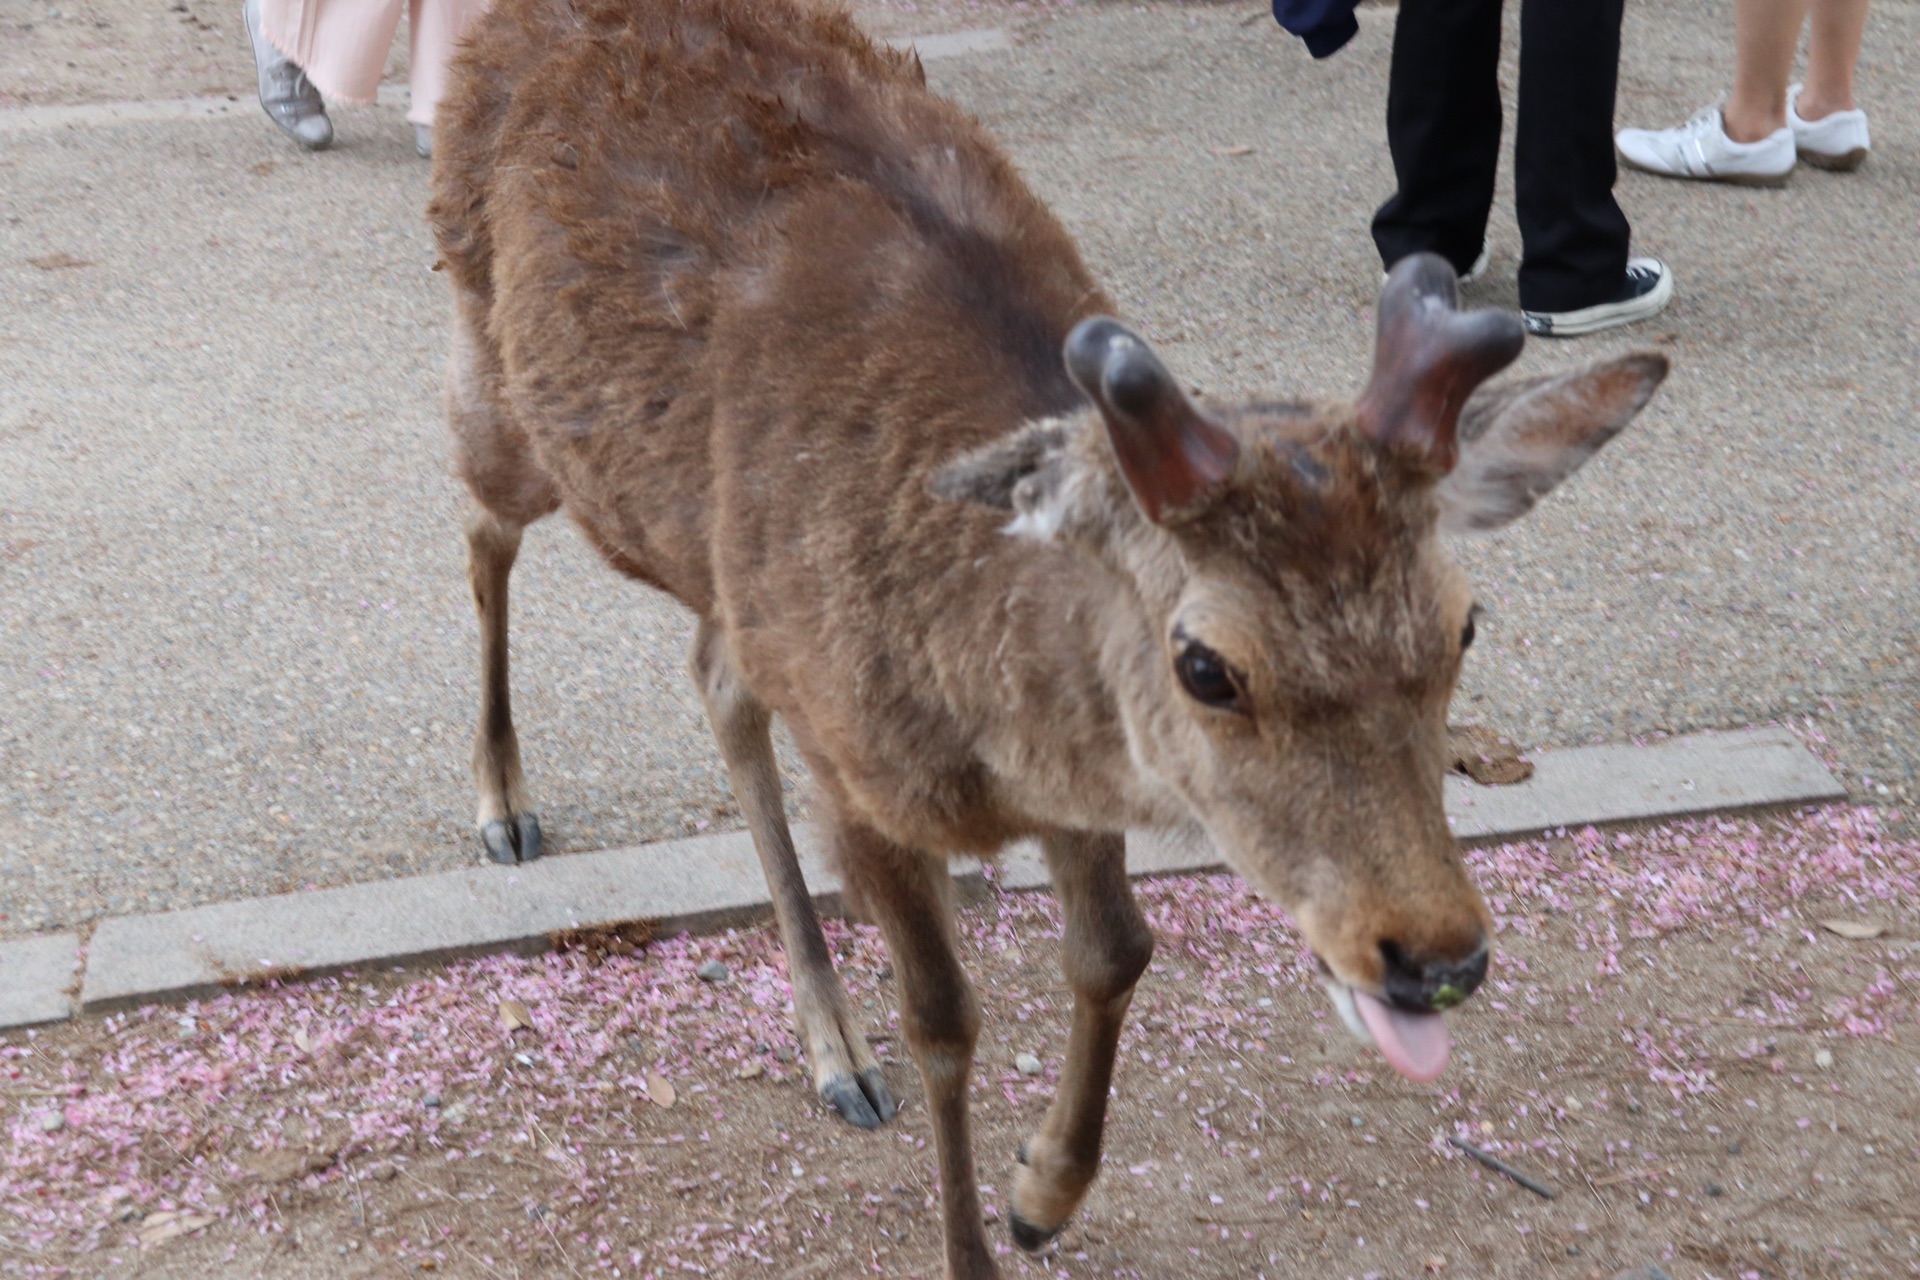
(781, 332)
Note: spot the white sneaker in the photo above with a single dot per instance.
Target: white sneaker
(1646, 291)
(1701, 149)
(1837, 141)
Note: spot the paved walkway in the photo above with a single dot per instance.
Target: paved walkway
(238, 653)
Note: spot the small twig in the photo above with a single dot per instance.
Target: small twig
(1498, 1165)
(1631, 1175)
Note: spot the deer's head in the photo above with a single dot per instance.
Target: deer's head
(1296, 626)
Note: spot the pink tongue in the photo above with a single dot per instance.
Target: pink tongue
(1414, 1044)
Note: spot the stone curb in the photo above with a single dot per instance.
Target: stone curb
(710, 882)
(38, 977)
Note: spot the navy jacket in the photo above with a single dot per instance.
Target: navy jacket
(1326, 25)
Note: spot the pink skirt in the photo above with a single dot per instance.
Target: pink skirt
(342, 44)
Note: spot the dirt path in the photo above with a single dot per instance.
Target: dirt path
(1709, 1077)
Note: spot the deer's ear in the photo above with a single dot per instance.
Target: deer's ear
(1027, 473)
(1519, 440)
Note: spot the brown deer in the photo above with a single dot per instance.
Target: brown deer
(787, 337)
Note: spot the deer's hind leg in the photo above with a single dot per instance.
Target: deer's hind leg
(1107, 946)
(510, 491)
(844, 1069)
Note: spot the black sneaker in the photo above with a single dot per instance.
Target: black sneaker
(1647, 291)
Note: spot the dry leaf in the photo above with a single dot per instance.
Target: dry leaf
(1858, 930)
(165, 1225)
(750, 1071)
(514, 1015)
(301, 1040)
(660, 1090)
(1485, 756)
(1233, 152)
(61, 261)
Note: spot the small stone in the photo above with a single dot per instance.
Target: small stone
(1357, 1122)
(711, 971)
(1646, 1272)
(1574, 1104)
(383, 1172)
(431, 1101)
(1715, 1190)
(1733, 1148)
(52, 1122)
(1823, 1059)
(453, 1113)
(1027, 1065)
(783, 1053)
(750, 1071)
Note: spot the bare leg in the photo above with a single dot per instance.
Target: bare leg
(910, 896)
(1766, 34)
(1106, 949)
(508, 828)
(1833, 50)
(844, 1069)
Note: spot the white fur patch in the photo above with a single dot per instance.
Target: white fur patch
(1045, 502)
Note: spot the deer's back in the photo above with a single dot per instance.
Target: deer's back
(750, 283)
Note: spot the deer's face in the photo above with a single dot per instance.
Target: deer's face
(1300, 625)
(1311, 629)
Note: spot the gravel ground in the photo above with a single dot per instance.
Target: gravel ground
(232, 611)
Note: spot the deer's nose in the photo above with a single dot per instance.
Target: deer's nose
(1421, 982)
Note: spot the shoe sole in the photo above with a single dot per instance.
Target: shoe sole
(1609, 315)
(1733, 179)
(1836, 162)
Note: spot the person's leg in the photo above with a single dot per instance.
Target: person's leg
(342, 44)
(435, 28)
(1575, 235)
(1833, 50)
(1766, 33)
(1443, 130)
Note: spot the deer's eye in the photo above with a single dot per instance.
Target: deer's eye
(1206, 676)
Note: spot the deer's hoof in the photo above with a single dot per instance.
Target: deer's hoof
(514, 841)
(1029, 1237)
(863, 1100)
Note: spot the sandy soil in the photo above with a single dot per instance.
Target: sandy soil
(1708, 1077)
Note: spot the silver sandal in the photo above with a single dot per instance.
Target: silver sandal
(288, 96)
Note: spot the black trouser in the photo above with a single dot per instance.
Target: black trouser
(1443, 128)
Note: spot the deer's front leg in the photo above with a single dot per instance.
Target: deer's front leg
(1107, 946)
(910, 896)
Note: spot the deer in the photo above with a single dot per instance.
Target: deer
(787, 337)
